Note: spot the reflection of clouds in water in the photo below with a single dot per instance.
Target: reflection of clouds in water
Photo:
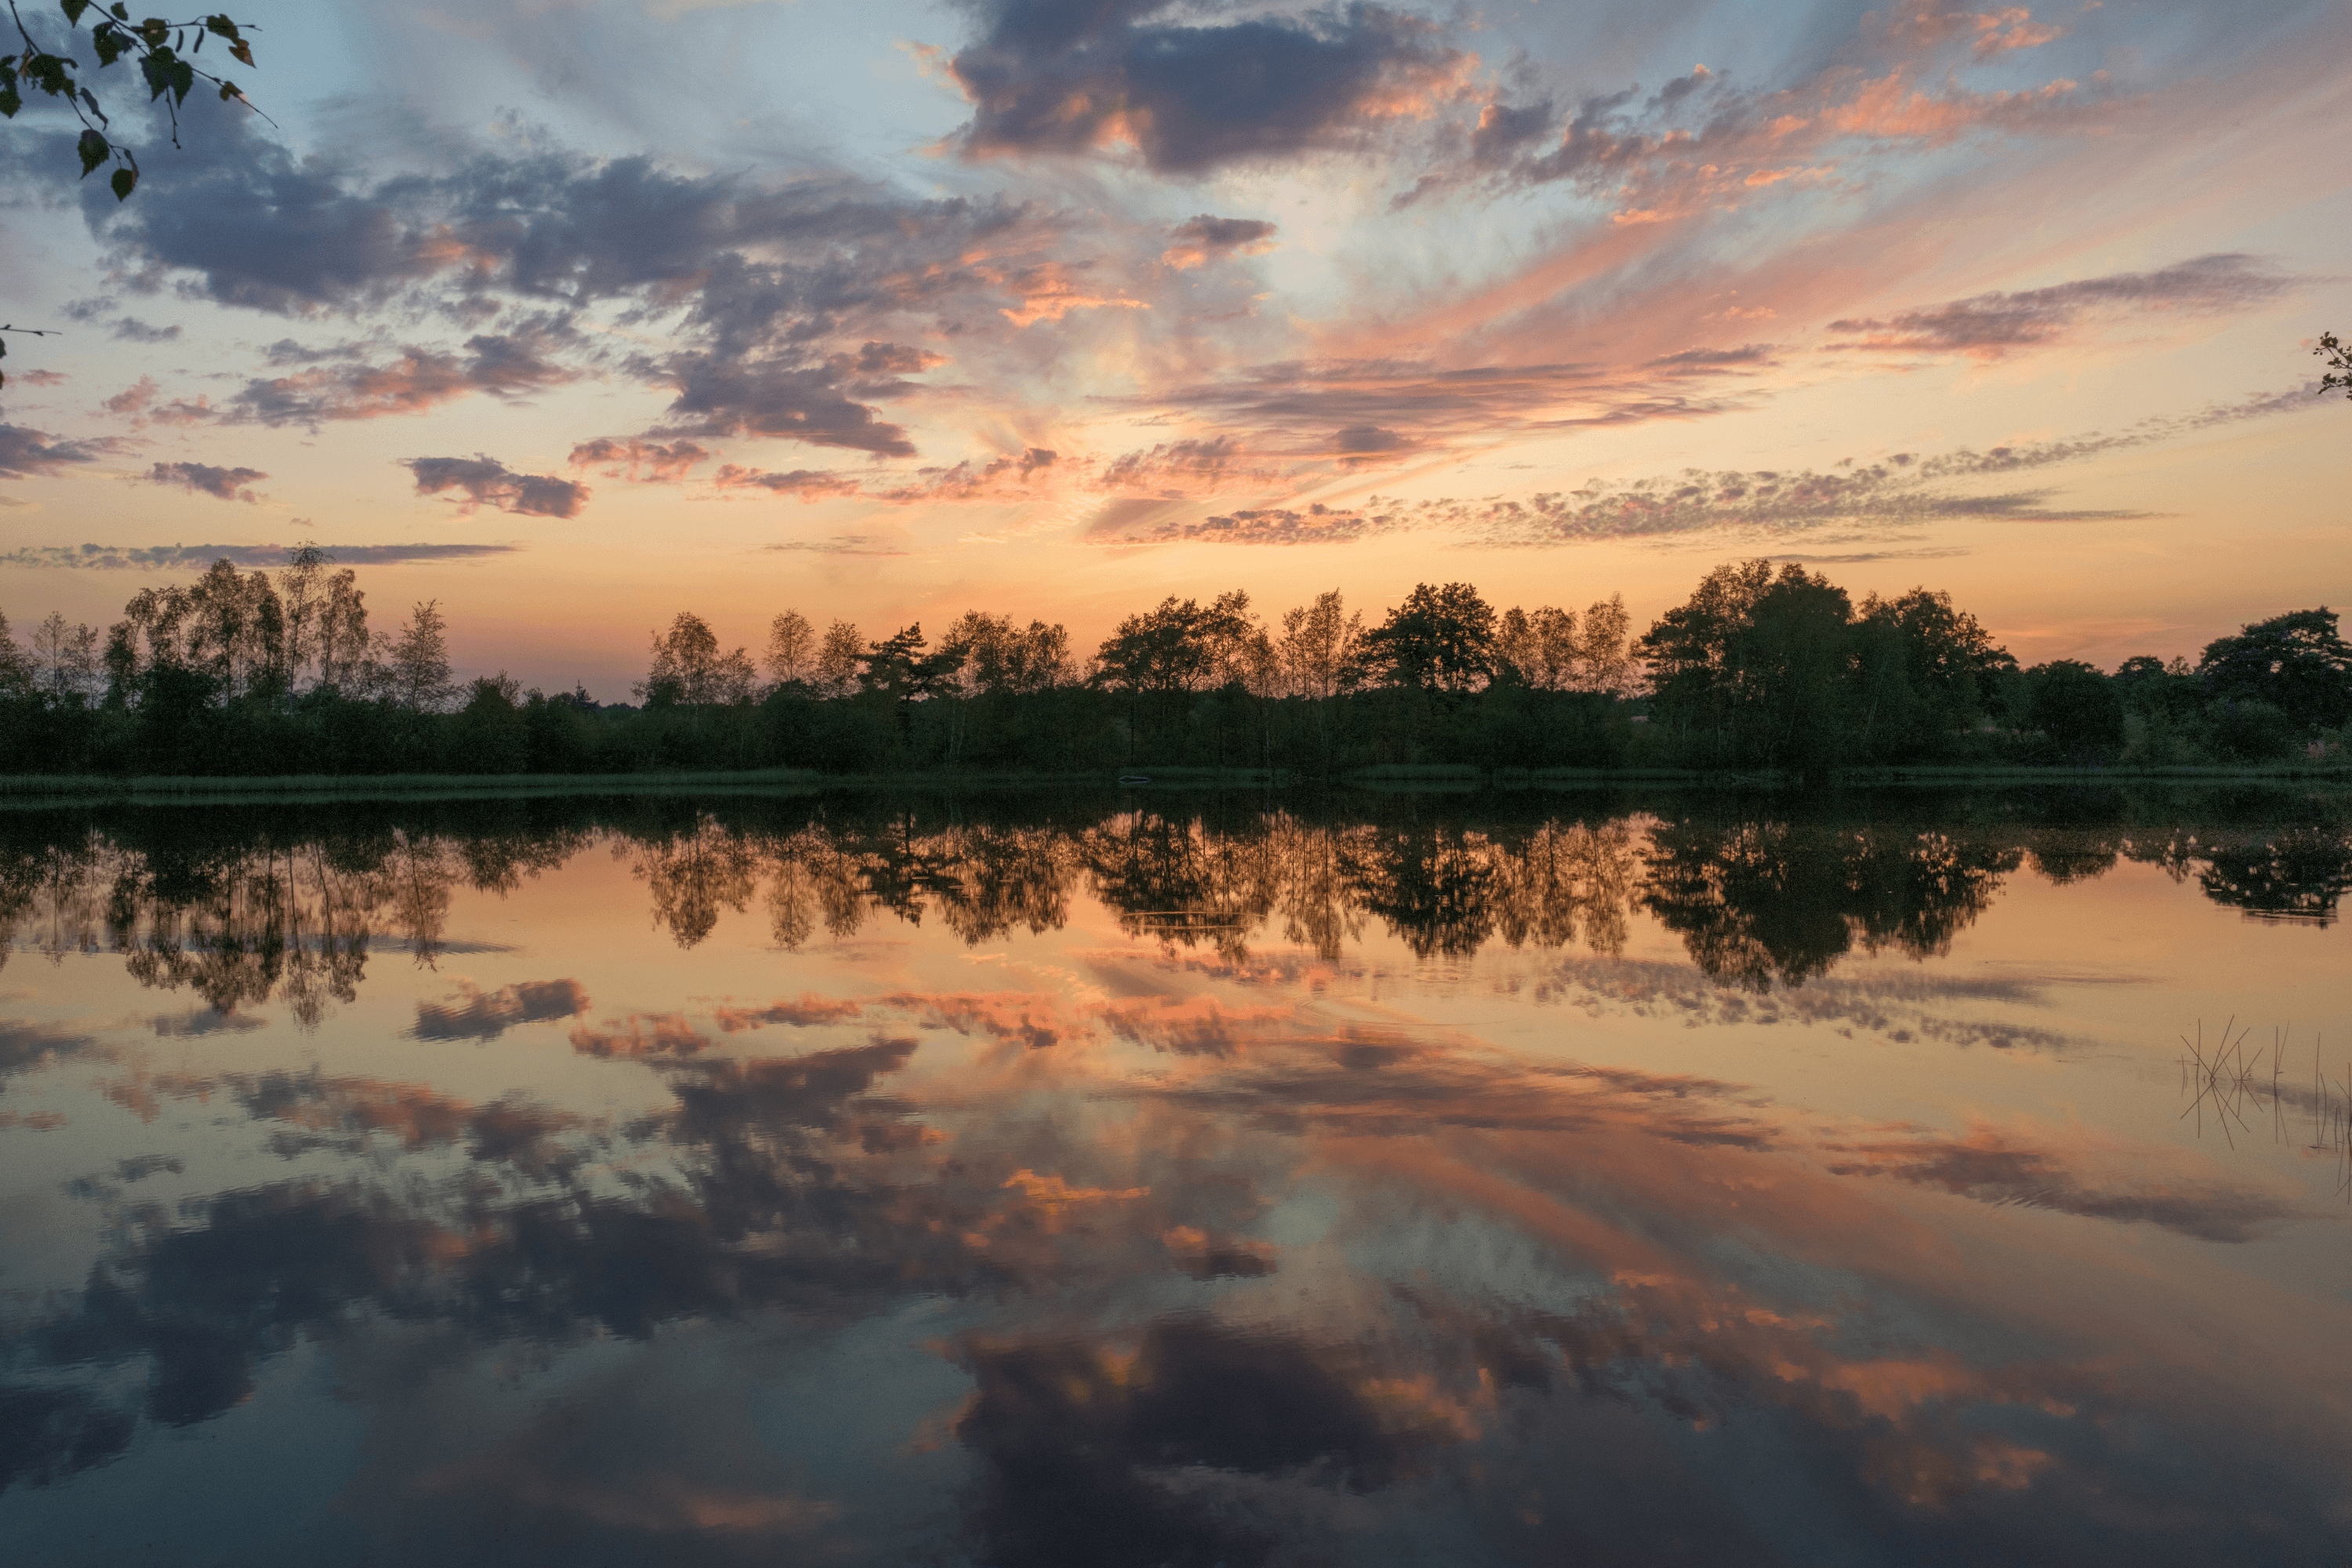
(1896, 1004)
(1997, 1166)
(640, 1034)
(1406, 1352)
(27, 1046)
(315, 1110)
(478, 1016)
(204, 1021)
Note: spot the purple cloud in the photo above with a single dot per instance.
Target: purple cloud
(485, 481)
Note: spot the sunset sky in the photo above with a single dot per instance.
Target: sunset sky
(572, 316)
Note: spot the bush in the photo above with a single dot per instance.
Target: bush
(2249, 731)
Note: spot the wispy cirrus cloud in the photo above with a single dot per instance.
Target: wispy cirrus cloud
(485, 481)
(1902, 488)
(806, 485)
(196, 557)
(1338, 414)
(1193, 465)
(970, 480)
(1987, 326)
(1709, 139)
(414, 381)
(842, 544)
(1313, 524)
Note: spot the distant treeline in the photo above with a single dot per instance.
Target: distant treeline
(248, 673)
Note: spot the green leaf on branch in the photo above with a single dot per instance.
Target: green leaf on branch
(230, 90)
(47, 72)
(93, 149)
(123, 181)
(110, 42)
(157, 68)
(184, 79)
(74, 8)
(10, 99)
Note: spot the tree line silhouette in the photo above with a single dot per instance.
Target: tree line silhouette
(242, 904)
(256, 673)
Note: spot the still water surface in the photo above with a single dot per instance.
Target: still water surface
(1178, 1180)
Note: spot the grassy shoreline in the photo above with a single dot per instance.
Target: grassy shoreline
(50, 789)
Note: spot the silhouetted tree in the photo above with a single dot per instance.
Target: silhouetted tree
(838, 658)
(1441, 638)
(2295, 662)
(341, 646)
(1540, 647)
(1319, 645)
(1180, 645)
(1002, 659)
(2076, 708)
(791, 650)
(689, 669)
(66, 658)
(301, 588)
(417, 661)
(1745, 658)
(490, 733)
(1928, 671)
(1604, 660)
(15, 668)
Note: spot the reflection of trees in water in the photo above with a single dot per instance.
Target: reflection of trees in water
(1756, 902)
(53, 894)
(2297, 877)
(1182, 879)
(240, 920)
(693, 874)
(1449, 891)
(1443, 888)
(275, 903)
(985, 879)
(1182, 882)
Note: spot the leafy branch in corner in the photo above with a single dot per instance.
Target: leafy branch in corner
(6, 327)
(164, 56)
(2338, 360)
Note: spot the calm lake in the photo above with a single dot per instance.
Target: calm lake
(1155, 1178)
